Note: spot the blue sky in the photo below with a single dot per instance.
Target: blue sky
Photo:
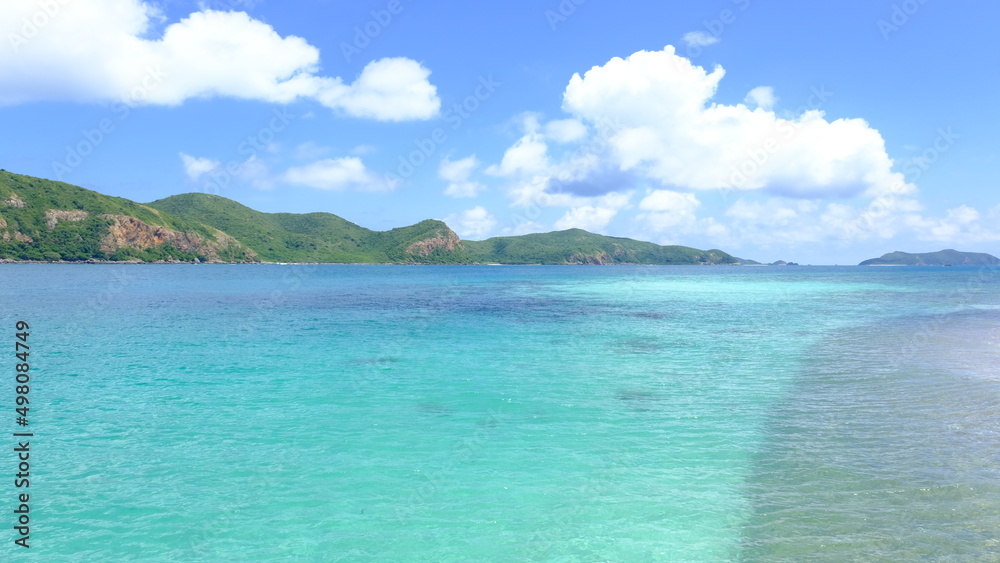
(816, 132)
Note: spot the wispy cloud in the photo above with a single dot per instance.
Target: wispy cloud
(337, 174)
(699, 39)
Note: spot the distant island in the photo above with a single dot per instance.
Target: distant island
(940, 258)
(48, 221)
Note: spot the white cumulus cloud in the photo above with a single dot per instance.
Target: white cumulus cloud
(475, 223)
(528, 155)
(665, 209)
(338, 174)
(959, 225)
(587, 217)
(197, 167)
(656, 110)
(106, 50)
(651, 124)
(392, 89)
(761, 97)
(666, 200)
(565, 130)
(457, 173)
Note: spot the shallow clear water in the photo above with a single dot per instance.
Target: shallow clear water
(392, 413)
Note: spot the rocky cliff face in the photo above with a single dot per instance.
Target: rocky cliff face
(129, 232)
(53, 216)
(601, 257)
(597, 259)
(14, 201)
(445, 239)
(7, 236)
(18, 236)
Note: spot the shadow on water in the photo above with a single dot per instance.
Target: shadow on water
(637, 395)
(637, 346)
(883, 454)
(639, 399)
(651, 315)
(644, 345)
(431, 407)
(383, 363)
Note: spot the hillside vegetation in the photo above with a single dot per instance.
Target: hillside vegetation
(940, 258)
(45, 220)
(576, 246)
(318, 237)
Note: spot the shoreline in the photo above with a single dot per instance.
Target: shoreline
(163, 263)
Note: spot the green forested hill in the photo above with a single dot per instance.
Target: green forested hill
(318, 237)
(275, 237)
(576, 246)
(939, 258)
(46, 220)
(50, 221)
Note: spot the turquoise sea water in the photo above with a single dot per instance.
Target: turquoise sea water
(393, 413)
